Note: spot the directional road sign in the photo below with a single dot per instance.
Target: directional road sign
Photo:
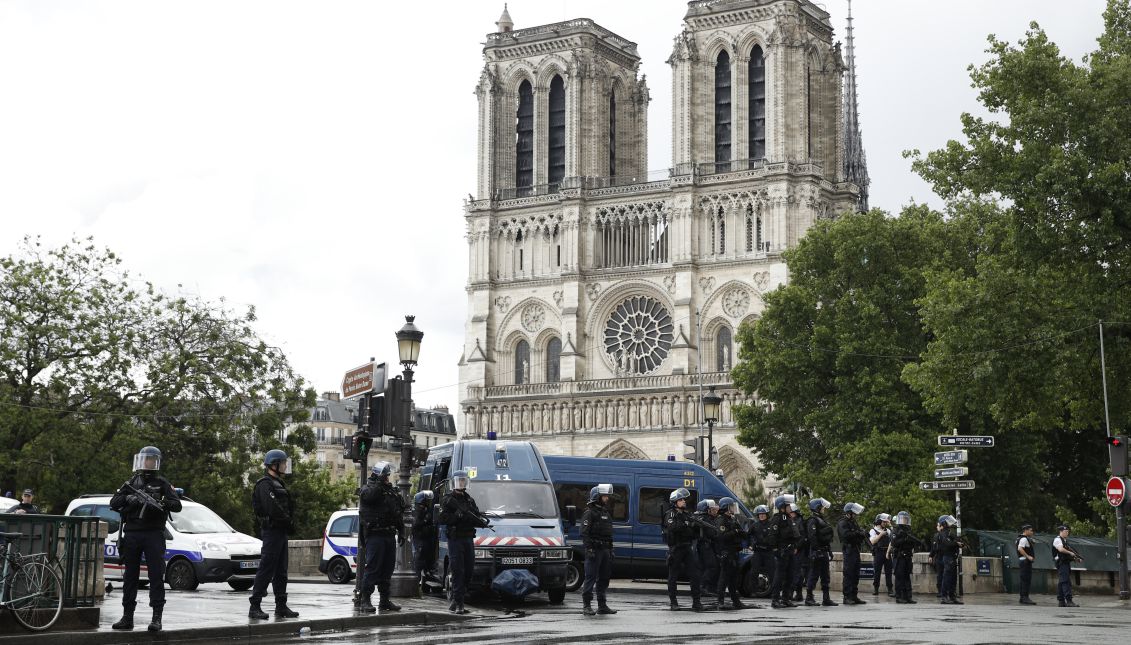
(961, 484)
(363, 380)
(1116, 491)
(960, 471)
(966, 440)
(948, 458)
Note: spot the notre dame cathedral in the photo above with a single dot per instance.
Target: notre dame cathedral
(604, 298)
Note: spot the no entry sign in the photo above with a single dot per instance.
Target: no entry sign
(1116, 491)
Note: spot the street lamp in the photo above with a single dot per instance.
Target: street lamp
(711, 404)
(404, 583)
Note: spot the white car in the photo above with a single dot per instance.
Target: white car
(199, 545)
(339, 546)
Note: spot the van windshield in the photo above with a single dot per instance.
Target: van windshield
(516, 499)
(198, 519)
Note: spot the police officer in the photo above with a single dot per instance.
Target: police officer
(1065, 555)
(597, 536)
(879, 537)
(820, 534)
(1026, 554)
(461, 516)
(851, 537)
(423, 536)
(679, 528)
(947, 549)
(762, 550)
(801, 557)
(784, 535)
(26, 505)
(144, 503)
(275, 508)
(903, 545)
(730, 537)
(706, 543)
(382, 514)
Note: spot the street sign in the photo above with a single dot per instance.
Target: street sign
(948, 458)
(960, 471)
(960, 484)
(365, 379)
(1116, 491)
(966, 440)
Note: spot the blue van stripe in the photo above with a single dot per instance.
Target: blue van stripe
(342, 550)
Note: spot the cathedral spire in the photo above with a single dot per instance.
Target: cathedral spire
(504, 22)
(855, 162)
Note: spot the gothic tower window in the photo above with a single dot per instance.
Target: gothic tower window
(749, 228)
(557, 155)
(724, 350)
(524, 139)
(612, 134)
(722, 112)
(809, 111)
(720, 218)
(757, 76)
(522, 363)
(553, 360)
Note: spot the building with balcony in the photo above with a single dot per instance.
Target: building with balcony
(603, 298)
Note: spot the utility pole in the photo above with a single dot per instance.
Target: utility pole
(1120, 513)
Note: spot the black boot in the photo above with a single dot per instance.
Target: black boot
(826, 601)
(856, 600)
(907, 598)
(738, 604)
(155, 621)
(127, 621)
(282, 610)
(776, 604)
(809, 600)
(876, 590)
(955, 601)
(797, 595)
(387, 603)
(891, 592)
(366, 604)
(256, 612)
(454, 607)
(587, 605)
(696, 605)
(603, 607)
(674, 604)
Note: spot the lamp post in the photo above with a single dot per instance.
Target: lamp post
(404, 582)
(711, 404)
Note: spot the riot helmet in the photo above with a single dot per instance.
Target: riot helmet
(794, 508)
(903, 518)
(947, 520)
(854, 508)
(761, 510)
(819, 504)
(597, 491)
(460, 480)
(381, 470)
(279, 460)
(782, 500)
(678, 494)
(148, 458)
(727, 505)
(422, 498)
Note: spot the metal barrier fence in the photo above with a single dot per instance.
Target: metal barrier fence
(73, 545)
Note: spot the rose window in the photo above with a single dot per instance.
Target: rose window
(638, 335)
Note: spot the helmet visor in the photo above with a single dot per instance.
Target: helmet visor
(604, 489)
(146, 461)
(284, 466)
(903, 520)
(460, 482)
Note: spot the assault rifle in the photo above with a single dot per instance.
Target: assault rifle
(147, 500)
(695, 519)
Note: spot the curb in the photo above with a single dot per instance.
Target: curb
(236, 632)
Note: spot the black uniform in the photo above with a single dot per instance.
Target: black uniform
(707, 549)
(1026, 564)
(730, 543)
(946, 548)
(801, 558)
(275, 509)
(680, 531)
(851, 537)
(903, 544)
(597, 536)
(423, 539)
(381, 512)
(881, 565)
(785, 536)
(820, 534)
(23, 508)
(762, 556)
(461, 516)
(143, 532)
(936, 562)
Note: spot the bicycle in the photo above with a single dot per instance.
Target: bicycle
(29, 588)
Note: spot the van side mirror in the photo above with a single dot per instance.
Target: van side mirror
(571, 515)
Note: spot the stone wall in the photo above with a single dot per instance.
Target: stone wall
(304, 556)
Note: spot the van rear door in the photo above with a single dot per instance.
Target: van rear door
(650, 499)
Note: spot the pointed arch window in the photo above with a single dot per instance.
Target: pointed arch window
(553, 360)
(522, 363)
(809, 111)
(720, 219)
(724, 350)
(722, 112)
(557, 145)
(757, 75)
(749, 228)
(612, 133)
(524, 137)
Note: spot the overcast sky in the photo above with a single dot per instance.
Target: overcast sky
(311, 158)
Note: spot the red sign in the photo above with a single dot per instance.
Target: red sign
(361, 380)
(1116, 491)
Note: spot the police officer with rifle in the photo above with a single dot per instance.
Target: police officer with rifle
(461, 516)
(380, 512)
(902, 548)
(706, 545)
(820, 534)
(851, 537)
(679, 532)
(1065, 555)
(423, 536)
(275, 509)
(785, 536)
(144, 503)
(948, 548)
(597, 536)
(762, 556)
(730, 537)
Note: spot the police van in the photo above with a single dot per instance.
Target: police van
(511, 485)
(339, 546)
(641, 488)
(199, 545)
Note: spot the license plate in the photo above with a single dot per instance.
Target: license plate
(518, 560)
(249, 564)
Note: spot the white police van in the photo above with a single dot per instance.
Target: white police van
(339, 546)
(199, 545)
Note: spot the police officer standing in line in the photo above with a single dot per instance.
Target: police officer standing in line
(706, 543)
(948, 549)
(851, 537)
(597, 536)
(273, 505)
(879, 537)
(461, 516)
(144, 503)
(680, 532)
(381, 512)
(1065, 555)
(903, 544)
(423, 536)
(730, 543)
(26, 505)
(1026, 554)
(820, 534)
(935, 561)
(801, 557)
(784, 536)
(762, 558)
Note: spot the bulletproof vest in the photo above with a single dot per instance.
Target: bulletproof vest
(460, 514)
(1062, 557)
(900, 543)
(823, 533)
(784, 531)
(799, 523)
(883, 542)
(597, 524)
(381, 506)
(680, 530)
(1029, 551)
(730, 538)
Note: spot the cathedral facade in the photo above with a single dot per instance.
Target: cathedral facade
(604, 299)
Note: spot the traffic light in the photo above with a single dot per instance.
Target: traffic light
(692, 452)
(1117, 452)
(397, 409)
(376, 423)
(359, 448)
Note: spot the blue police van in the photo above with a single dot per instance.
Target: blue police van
(511, 485)
(641, 488)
